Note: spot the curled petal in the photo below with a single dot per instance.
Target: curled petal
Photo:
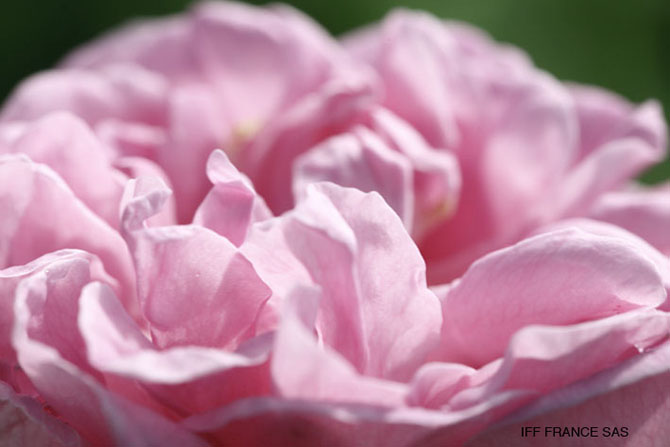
(98, 415)
(23, 421)
(644, 212)
(195, 287)
(561, 277)
(232, 205)
(353, 246)
(43, 215)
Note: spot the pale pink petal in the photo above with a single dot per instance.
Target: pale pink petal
(12, 276)
(132, 139)
(269, 158)
(134, 167)
(267, 248)
(232, 205)
(435, 383)
(360, 160)
(197, 126)
(644, 212)
(260, 61)
(540, 359)
(181, 377)
(123, 92)
(160, 45)
(606, 169)
(66, 144)
(41, 215)
(353, 246)
(661, 261)
(632, 395)
(99, 416)
(23, 421)
(194, 286)
(562, 277)
(279, 422)
(437, 178)
(617, 141)
(604, 117)
(408, 51)
(302, 369)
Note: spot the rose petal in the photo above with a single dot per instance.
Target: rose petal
(191, 379)
(98, 415)
(64, 143)
(541, 359)
(360, 160)
(232, 205)
(125, 92)
(23, 421)
(41, 215)
(304, 370)
(631, 395)
(644, 212)
(354, 246)
(561, 277)
(194, 286)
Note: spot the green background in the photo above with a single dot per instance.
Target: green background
(621, 45)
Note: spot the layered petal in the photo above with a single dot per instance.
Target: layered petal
(302, 369)
(74, 395)
(360, 160)
(631, 396)
(188, 379)
(194, 286)
(232, 205)
(561, 277)
(122, 92)
(644, 212)
(64, 143)
(41, 215)
(353, 246)
(531, 150)
(25, 422)
(384, 154)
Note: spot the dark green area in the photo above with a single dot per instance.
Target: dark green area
(622, 45)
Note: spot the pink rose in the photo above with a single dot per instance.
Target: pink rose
(280, 296)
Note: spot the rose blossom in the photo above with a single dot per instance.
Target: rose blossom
(287, 307)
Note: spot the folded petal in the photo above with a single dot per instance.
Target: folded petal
(23, 421)
(353, 246)
(630, 398)
(302, 369)
(41, 214)
(197, 126)
(644, 212)
(232, 205)
(540, 359)
(562, 277)
(360, 160)
(75, 396)
(604, 117)
(188, 379)
(269, 158)
(124, 92)
(66, 144)
(661, 261)
(617, 141)
(437, 177)
(10, 279)
(417, 91)
(194, 286)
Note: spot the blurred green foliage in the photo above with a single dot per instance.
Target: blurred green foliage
(622, 45)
